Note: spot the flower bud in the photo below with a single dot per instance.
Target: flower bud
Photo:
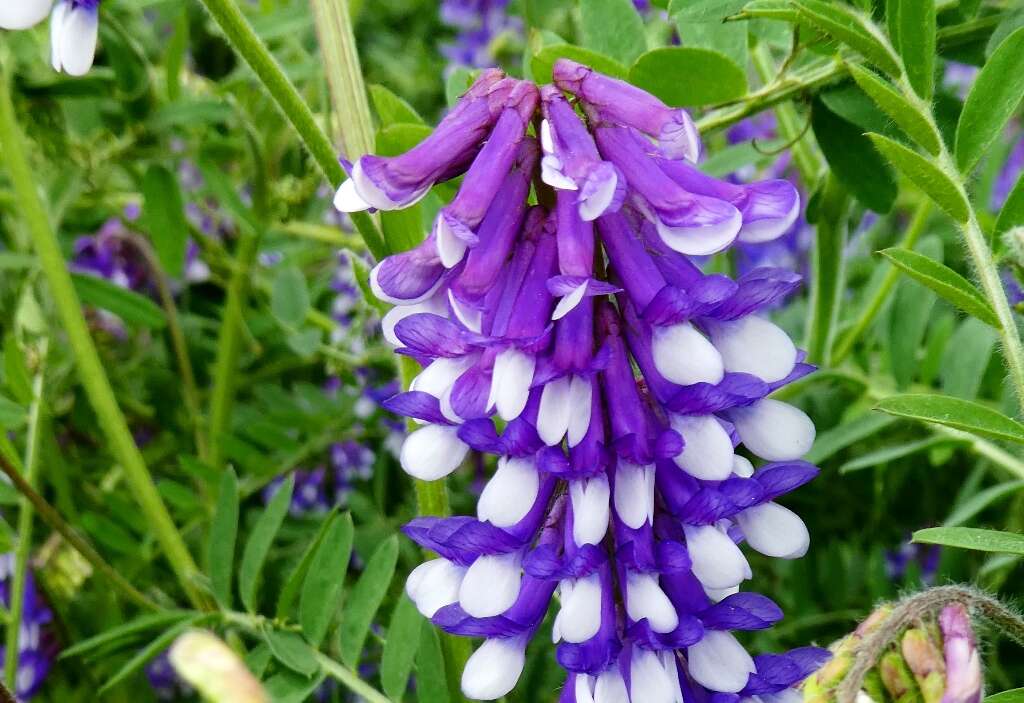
(214, 669)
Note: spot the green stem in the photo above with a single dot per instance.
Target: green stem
(350, 679)
(845, 345)
(229, 344)
(90, 368)
(245, 41)
(25, 515)
(827, 267)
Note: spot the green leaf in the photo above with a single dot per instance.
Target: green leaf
(700, 24)
(289, 296)
(1012, 214)
(905, 115)
(850, 155)
(543, 61)
(829, 443)
(174, 56)
(926, 176)
(967, 357)
(917, 44)
(458, 83)
(321, 591)
(291, 650)
(613, 28)
(431, 685)
(134, 309)
(972, 538)
(704, 10)
(908, 322)
(945, 281)
(16, 373)
(223, 533)
(390, 108)
(850, 28)
(994, 97)
(305, 342)
(150, 651)
(1014, 695)
(403, 229)
(954, 412)
(260, 539)
(884, 455)
(711, 77)
(781, 10)
(163, 213)
(978, 502)
(12, 415)
(400, 648)
(399, 138)
(121, 635)
(288, 687)
(292, 587)
(365, 598)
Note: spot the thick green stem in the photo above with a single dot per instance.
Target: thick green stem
(23, 547)
(245, 41)
(845, 345)
(90, 368)
(229, 344)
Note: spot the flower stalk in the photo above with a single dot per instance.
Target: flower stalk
(92, 375)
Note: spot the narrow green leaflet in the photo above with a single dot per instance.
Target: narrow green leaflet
(966, 358)
(973, 538)
(400, 648)
(144, 655)
(544, 60)
(954, 412)
(978, 502)
(1012, 214)
(782, 10)
(223, 533)
(399, 138)
(321, 590)
(926, 176)
(120, 636)
(12, 415)
(290, 591)
(898, 108)
(613, 28)
(390, 108)
(917, 44)
(134, 309)
(365, 598)
(291, 650)
(845, 25)
(1014, 695)
(711, 77)
(289, 687)
(945, 281)
(289, 296)
(431, 685)
(994, 97)
(163, 212)
(886, 454)
(16, 374)
(260, 539)
(848, 433)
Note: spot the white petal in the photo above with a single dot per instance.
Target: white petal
(594, 206)
(774, 530)
(684, 356)
(645, 599)
(569, 302)
(22, 14)
(590, 509)
(668, 663)
(719, 594)
(60, 13)
(376, 197)
(471, 317)
(551, 173)
(398, 313)
(554, 410)
(584, 689)
(634, 494)
(580, 616)
(450, 248)
(347, 198)
(649, 682)
(756, 346)
(437, 379)
(719, 662)
(610, 687)
(702, 240)
(494, 668)
(511, 492)
(742, 467)
(547, 143)
(581, 395)
(510, 383)
(432, 452)
(379, 293)
(75, 36)
(433, 585)
(491, 585)
(708, 452)
(774, 430)
(717, 561)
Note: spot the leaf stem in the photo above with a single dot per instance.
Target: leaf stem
(350, 679)
(90, 368)
(25, 514)
(845, 345)
(245, 41)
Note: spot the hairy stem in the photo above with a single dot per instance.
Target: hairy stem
(245, 41)
(90, 368)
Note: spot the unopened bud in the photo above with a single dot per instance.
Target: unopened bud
(921, 651)
(214, 669)
(963, 663)
(897, 679)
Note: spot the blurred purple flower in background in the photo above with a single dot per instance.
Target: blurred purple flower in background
(924, 558)
(479, 25)
(37, 643)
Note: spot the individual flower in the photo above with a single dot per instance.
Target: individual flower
(633, 498)
(37, 643)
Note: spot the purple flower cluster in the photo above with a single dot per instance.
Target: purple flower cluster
(479, 25)
(629, 497)
(74, 28)
(37, 645)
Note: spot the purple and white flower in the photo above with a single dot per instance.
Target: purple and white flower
(74, 28)
(634, 498)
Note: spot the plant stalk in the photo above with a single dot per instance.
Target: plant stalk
(90, 368)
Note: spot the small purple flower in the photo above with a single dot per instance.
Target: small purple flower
(37, 644)
(165, 682)
(925, 556)
(479, 24)
(309, 496)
